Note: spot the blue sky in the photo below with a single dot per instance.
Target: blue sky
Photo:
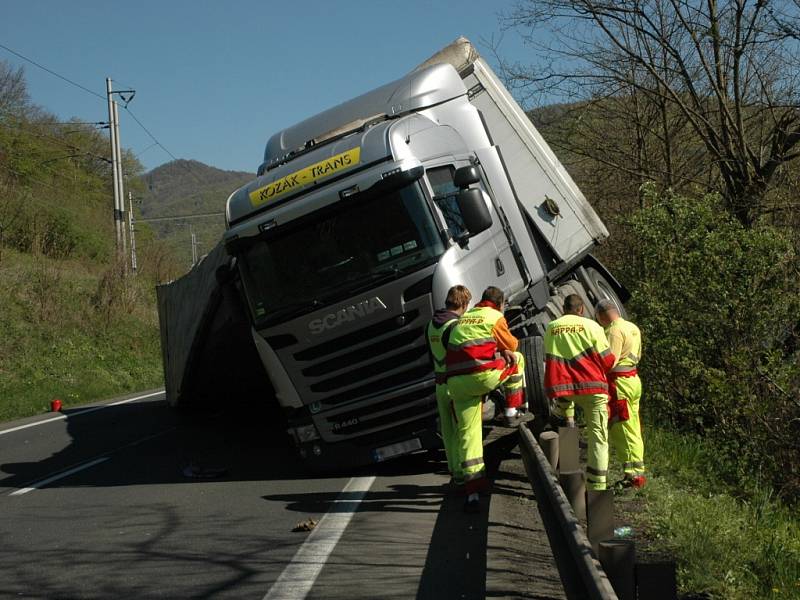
(214, 80)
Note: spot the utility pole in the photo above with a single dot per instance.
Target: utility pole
(194, 245)
(133, 236)
(112, 127)
(116, 164)
(123, 235)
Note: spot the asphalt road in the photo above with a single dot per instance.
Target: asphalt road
(134, 500)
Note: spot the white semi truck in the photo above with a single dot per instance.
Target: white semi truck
(363, 216)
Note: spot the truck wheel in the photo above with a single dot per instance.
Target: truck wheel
(601, 289)
(532, 349)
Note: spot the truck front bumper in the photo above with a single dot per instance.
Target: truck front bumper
(371, 449)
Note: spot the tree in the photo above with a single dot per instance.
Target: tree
(13, 89)
(687, 93)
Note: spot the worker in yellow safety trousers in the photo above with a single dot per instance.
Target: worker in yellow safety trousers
(456, 303)
(481, 357)
(577, 360)
(625, 391)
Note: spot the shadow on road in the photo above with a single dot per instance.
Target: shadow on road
(248, 444)
(455, 561)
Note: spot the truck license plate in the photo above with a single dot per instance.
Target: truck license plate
(381, 454)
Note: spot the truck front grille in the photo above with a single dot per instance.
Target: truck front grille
(373, 416)
(376, 387)
(380, 366)
(367, 334)
(370, 371)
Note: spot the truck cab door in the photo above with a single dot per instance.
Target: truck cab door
(496, 264)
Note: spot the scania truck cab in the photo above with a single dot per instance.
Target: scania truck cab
(361, 219)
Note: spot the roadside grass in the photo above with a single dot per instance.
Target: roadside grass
(61, 335)
(727, 544)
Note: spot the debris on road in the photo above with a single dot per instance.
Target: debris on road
(307, 525)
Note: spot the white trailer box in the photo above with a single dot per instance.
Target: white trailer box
(542, 185)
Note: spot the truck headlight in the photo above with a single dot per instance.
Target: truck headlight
(305, 433)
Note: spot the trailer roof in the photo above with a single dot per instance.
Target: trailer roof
(425, 87)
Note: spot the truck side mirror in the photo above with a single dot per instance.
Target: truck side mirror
(465, 177)
(473, 211)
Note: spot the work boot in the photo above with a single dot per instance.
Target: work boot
(510, 418)
(636, 482)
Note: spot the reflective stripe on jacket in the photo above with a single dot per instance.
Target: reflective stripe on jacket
(577, 357)
(438, 349)
(472, 348)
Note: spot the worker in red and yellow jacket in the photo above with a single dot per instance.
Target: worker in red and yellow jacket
(577, 360)
(481, 356)
(625, 390)
(456, 303)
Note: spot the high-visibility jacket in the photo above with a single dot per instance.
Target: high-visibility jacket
(625, 341)
(473, 343)
(577, 357)
(436, 330)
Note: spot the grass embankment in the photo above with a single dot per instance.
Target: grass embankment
(72, 330)
(727, 544)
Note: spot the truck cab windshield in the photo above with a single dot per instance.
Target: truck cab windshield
(341, 250)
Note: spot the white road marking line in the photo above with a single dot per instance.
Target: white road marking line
(91, 463)
(299, 576)
(57, 476)
(79, 412)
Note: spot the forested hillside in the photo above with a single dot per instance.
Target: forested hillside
(681, 122)
(695, 172)
(72, 325)
(188, 187)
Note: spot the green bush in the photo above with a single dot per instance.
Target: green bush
(725, 548)
(719, 308)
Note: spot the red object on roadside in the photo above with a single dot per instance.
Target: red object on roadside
(55, 405)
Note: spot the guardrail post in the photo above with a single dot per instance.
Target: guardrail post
(575, 490)
(568, 449)
(656, 581)
(548, 440)
(618, 558)
(599, 516)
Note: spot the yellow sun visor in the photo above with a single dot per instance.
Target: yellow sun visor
(306, 176)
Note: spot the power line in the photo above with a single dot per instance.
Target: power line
(56, 139)
(43, 120)
(43, 68)
(147, 131)
(93, 93)
(160, 145)
(39, 181)
(179, 217)
(138, 154)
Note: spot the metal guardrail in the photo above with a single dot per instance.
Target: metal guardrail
(594, 579)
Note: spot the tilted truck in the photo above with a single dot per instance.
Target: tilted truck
(361, 219)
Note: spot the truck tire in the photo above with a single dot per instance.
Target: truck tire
(532, 348)
(603, 290)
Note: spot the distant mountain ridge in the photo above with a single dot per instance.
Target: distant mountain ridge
(188, 187)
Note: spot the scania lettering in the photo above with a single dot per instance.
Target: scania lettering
(331, 320)
(360, 220)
